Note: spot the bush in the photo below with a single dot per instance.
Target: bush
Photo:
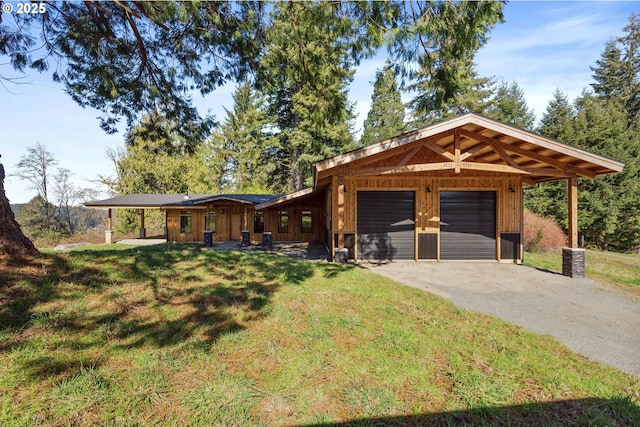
(542, 234)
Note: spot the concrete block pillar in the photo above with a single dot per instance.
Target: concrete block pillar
(573, 262)
(109, 237)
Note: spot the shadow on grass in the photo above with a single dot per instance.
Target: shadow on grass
(575, 412)
(153, 297)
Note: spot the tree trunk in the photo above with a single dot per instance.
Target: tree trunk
(12, 241)
(296, 173)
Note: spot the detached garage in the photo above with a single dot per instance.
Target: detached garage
(451, 191)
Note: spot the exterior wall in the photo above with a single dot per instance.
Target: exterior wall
(427, 216)
(315, 204)
(232, 218)
(197, 226)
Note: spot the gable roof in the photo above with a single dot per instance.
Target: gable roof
(142, 201)
(481, 144)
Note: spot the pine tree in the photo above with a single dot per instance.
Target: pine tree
(241, 141)
(307, 66)
(617, 73)
(442, 50)
(610, 204)
(549, 199)
(386, 116)
(509, 106)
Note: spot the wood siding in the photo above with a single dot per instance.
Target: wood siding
(508, 190)
(231, 219)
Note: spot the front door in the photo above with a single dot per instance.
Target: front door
(236, 229)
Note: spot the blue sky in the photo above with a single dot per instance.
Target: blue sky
(543, 46)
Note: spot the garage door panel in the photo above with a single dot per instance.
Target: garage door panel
(468, 225)
(386, 226)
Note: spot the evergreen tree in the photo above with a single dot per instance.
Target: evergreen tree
(31, 219)
(240, 144)
(509, 106)
(610, 204)
(617, 73)
(386, 116)
(549, 199)
(307, 66)
(441, 51)
(475, 98)
(165, 163)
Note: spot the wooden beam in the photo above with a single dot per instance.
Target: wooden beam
(473, 151)
(404, 169)
(436, 148)
(504, 156)
(141, 218)
(110, 220)
(456, 149)
(495, 143)
(409, 156)
(572, 184)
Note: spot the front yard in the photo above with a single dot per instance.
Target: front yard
(182, 336)
(615, 269)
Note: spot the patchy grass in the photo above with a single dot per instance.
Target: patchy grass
(178, 335)
(620, 270)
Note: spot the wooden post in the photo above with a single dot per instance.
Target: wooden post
(143, 231)
(572, 187)
(108, 234)
(573, 258)
(340, 213)
(245, 225)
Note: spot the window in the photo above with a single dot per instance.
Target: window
(258, 222)
(210, 221)
(283, 222)
(306, 222)
(185, 221)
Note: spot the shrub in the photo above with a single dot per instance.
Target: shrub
(542, 234)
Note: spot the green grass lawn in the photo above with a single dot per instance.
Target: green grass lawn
(176, 335)
(616, 269)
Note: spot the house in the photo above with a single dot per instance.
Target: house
(450, 191)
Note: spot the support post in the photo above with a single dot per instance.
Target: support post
(573, 260)
(340, 213)
(143, 230)
(572, 190)
(108, 233)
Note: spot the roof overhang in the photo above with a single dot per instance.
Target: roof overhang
(288, 198)
(167, 201)
(476, 143)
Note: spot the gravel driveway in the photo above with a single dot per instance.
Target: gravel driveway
(596, 321)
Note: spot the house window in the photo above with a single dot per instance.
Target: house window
(185, 221)
(306, 222)
(210, 221)
(258, 222)
(283, 221)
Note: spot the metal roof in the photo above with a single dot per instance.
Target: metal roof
(157, 201)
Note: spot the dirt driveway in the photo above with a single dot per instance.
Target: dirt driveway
(598, 322)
